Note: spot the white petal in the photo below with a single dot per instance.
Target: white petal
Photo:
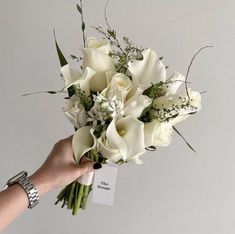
(96, 60)
(101, 45)
(82, 142)
(124, 139)
(77, 117)
(120, 85)
(98, 81)
(113, 155)
(147, 71)
(178, 104)
(73, 77)
(133, 134)
(157, 133)
(115, 141)
(100, 63)
(136, 159)
(176, 80)
(69, 75)
(136, 104)
(85, 80)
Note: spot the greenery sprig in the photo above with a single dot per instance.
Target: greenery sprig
(86, 101)
(123, 52)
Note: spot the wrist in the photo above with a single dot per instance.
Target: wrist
(41, 183)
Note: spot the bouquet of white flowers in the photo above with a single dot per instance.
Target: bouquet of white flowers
(121, 104)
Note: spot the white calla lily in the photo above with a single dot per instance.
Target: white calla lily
(157, 133)
(82, 142)
(135, 105)
(124, 139)
(101, 63)
(148, 71)
(74, 77)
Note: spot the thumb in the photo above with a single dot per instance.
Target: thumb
(87, 167)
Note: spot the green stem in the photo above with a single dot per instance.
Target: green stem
(71, 194)
(78, 200)
(76, 191)
(85, 196)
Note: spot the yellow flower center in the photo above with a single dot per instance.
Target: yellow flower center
(121, 132)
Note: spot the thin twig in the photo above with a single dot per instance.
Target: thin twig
(191, 62)
(177, 131)
(105, 15)
(83, 25)
(48, 92)
(203, 92)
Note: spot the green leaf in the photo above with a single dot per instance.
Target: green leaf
(83, 26)
(79, 9)
(62, 59)
(154, 90)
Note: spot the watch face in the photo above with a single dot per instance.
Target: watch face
(16, 177)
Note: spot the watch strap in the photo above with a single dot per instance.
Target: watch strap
(31, 191)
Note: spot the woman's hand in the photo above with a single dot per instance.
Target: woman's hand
(60, 168)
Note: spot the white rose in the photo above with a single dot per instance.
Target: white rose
(100, 44)
(178, 106)
(157, 133)
(74, 77)
(96, 56)
(148, 71)
(135, 105)
(123, 139)
(76, 112)
(119, 86)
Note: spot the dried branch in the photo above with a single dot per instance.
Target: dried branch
(188, 70)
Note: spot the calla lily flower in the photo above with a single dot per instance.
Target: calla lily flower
(82, 142)
(96, 56)
(74, 77)
(123, 139)
(135, 105)
(148, 71)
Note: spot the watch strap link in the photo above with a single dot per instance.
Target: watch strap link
(31, 191)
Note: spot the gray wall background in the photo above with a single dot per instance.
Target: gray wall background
(175, 191)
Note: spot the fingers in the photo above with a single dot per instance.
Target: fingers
(84, 159)
(87, 166)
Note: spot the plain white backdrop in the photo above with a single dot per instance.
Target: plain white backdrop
(175, 191)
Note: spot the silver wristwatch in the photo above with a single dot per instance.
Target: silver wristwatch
(22, 179)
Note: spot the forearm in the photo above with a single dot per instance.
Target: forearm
(14, 200)
(60, 169)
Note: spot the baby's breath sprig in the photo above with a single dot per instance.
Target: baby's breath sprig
(86, 101)
(123, 52)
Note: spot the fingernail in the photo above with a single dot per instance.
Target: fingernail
(97, 165)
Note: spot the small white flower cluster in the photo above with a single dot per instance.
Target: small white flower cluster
(105, 108)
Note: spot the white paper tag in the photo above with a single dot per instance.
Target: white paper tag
(104, 185)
